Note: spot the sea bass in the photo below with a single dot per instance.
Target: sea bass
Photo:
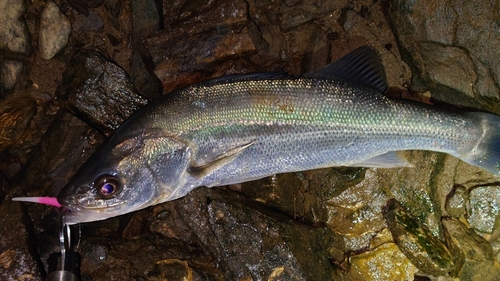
(245, 127)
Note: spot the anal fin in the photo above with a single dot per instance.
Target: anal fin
(391, 159)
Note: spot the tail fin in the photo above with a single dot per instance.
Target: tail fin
(486, 153)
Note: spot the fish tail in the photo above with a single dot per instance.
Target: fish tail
(486, 153)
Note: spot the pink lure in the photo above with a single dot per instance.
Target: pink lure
(51, 201)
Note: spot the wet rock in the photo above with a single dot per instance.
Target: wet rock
(439, 36)
(13, 29)
(457, 202)
(49, 167)
(245, 238)
(425, 251)
(386, 262)
(290, 3)
(309, 56)
(19, 259)
(90, 22)
(484, 202)
(99, 91)
(153, 259)
(354, 214)
(9, 70)
(212, 53)
(218, 14)
(349, 19)
(56, 158)
(223, 236)
(292, 17)
(145, 21)
(14, 38)
(80, 6)
(206, 45)
(494, 241)
(302, 196)
(15, 115)
(55, 29)
(417, 188)
(472, 253)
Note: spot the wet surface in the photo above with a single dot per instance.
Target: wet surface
(438, 219)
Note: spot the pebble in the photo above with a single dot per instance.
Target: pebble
(484, 208)
(13, 27)
(13, 37)
(92, 22)
(9, 70)
(456, 203)
(425, 251)
(55, 29)
(386, 262)
(474, 253)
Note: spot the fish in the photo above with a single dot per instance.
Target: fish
(244, 127)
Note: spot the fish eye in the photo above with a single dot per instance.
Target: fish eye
(107, 186)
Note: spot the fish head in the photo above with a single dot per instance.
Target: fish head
(125, 176)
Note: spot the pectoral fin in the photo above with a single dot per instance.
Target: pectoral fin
(391, 159)
(200, 171)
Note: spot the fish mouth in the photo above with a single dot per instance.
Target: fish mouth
(85, 202)
(78, 214)
(99, 204)
(80, 211)
(71, 218)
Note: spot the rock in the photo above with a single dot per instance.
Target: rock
(425, 251)
(386, 262)
(145, 21)
(457, 202)
(55, 29)
(99, 91)
(13, 28)
(494, 241)
(210, 51)
(80, 6)
(303, 195)
(90, 22)
(205, 45)
(354, 214)
(440, 36)
(417, 188)
(310, 48)
(246, 239)
(18, 254)
(15, 116)
(349, 20)
(9, 70)
(484, 202)
(14, 38)
(292, 17)
(56, 157)
(49, 167)
(472, 253)
(223, 236)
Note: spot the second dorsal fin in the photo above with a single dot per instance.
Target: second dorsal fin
(362, 66)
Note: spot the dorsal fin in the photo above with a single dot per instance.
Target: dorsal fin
(362, 66)
(245, 77)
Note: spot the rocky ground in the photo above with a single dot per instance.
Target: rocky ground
(72, 71)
